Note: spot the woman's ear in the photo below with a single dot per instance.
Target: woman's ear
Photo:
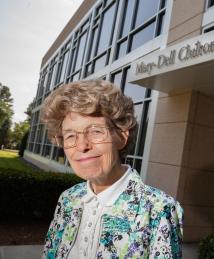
(122, 139)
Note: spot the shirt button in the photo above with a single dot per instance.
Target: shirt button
(89, 224)
(85, 239)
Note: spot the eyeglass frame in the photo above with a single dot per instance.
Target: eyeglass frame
(85, 135)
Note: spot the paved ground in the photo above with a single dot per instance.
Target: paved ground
(34, 252)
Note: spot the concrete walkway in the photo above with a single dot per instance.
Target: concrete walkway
(35, 251)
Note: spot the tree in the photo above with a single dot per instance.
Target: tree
(23, 144)
(29, 110)
(18, 133)
(5, 132)
(6, 113)
(6, 104)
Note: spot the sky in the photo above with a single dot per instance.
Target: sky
(27, 30)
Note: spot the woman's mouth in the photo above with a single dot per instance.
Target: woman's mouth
(87, 159)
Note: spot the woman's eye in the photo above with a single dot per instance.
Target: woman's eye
(96, 131)
(71, 136)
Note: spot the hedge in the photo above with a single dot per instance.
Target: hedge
(206, 247)
(32, 194)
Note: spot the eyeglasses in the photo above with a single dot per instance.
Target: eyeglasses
(93, 133)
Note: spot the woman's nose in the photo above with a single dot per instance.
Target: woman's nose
(82, 143)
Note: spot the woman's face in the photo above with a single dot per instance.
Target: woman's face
(95, 162)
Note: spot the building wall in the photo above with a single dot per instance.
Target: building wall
(197, 191)
(186, 20)
(181, 159)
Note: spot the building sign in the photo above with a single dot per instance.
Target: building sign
(182, 54)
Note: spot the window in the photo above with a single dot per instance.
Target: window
(39, 135)
(42, 85)
(101, 36)
(209, 29)
(51, 75)
(117, 78)
(63, 59)
(136, 92)
(142, 21)
(58, 155)
(145, 10)
(141, 98)
(46, 148)
(106, 29)
(32, 136)
(142, 36)
(127, 18)
(78, 50)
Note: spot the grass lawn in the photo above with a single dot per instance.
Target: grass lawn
(11, 159)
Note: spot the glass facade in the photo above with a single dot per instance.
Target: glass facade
(110, 30)
(141, 98)
(141, 21)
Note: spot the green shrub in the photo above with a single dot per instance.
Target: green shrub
(206, 247)
(23, 144)
(32, 194)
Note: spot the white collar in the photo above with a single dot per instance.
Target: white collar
(110, 194)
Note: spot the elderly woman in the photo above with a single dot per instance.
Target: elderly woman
(113, 214)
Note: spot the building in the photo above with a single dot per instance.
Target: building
(161, 53)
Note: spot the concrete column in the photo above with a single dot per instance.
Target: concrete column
(181, 159)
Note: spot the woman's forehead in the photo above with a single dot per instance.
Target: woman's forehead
(77, 121)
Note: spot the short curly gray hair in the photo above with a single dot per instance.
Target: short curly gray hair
(94, 98)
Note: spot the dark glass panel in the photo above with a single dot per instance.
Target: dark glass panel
(160, 24)
(136, 92)
(93, 43)
(137, 164)
(122, 49)
(144, 125)
(108, 2)
(76, 77)
(146, 9)
(37, 148)
(52, 77)
(127, 19)
(80, 53)
(39, 133)
(46, 152)
(30, 148)
(143, 36)
(100, 63)
(99, 8)
(209, 29)
(211, 3)
(107, 27)
(148, 93)
(58, 155)
(163, 4)
(63, 66)
(71, 61)
(129, 161)
(85, 26)
(88, 70)
(138, 111)
(117, 78)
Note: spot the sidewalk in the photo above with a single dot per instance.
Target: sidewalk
(34, 252)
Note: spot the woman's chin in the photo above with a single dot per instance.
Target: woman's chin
(89, 174)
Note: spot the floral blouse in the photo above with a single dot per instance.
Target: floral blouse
(144, 222)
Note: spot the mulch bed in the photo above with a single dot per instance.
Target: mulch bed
(23, 231)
